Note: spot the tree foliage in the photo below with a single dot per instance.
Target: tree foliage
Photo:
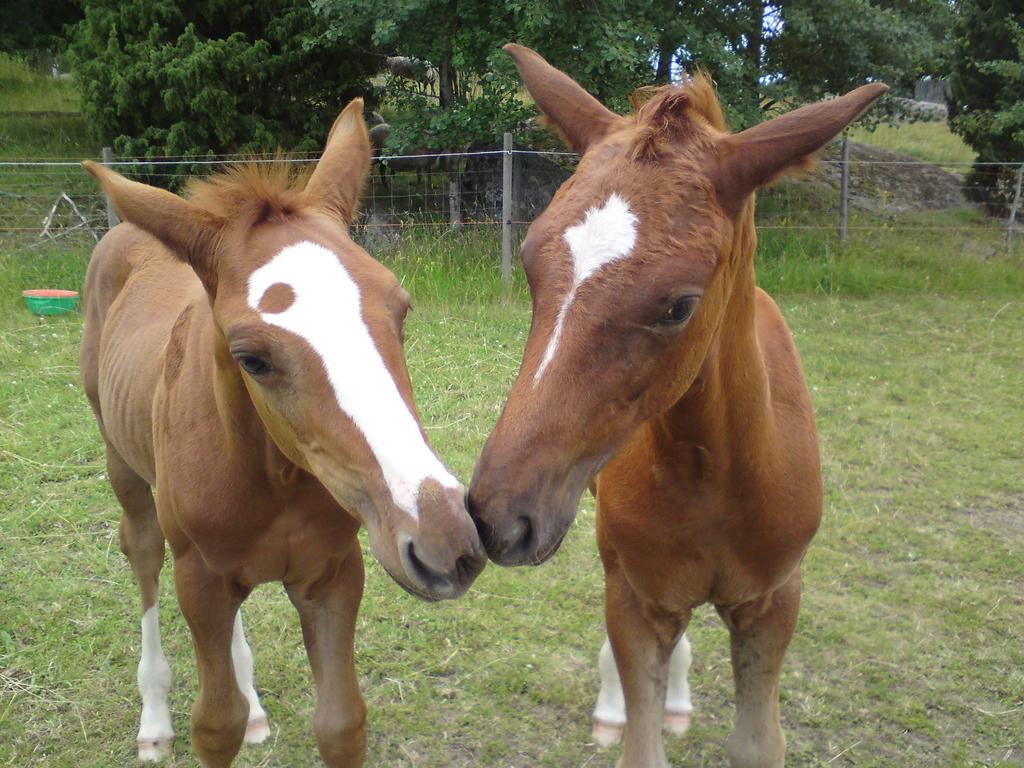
(472, 97)
(31, 25)
(177, 77)
(170, 77)
(835, 46)
(987, 83)
(987, 93)
(758, 52)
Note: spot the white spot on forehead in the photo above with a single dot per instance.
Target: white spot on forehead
(327, 313)
(606, 234)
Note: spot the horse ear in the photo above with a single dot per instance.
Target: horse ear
(338, 177)
(579, 117)
(185, 228)
(755, 157)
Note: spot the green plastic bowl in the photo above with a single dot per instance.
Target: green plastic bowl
(50, 301)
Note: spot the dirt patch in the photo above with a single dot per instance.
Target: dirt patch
(1002, 516)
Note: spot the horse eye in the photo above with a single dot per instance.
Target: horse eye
(253, 365)
(680, 311)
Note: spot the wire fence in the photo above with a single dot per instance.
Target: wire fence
(855, 190)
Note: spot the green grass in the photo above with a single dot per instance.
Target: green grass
(908, 650)
(30, 137)
(39, 114)
(950, 252)
(25, 89)
(930, 141)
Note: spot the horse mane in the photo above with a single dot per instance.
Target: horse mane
(254, 191)
(666, 112)
(698, 90)
(664, 122)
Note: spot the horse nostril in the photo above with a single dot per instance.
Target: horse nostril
(427, 576)
(483, 530)
(468, 567)
(521, 536)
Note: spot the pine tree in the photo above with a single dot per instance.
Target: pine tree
(169, 77)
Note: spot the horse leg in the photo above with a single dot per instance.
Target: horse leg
(678, 707)
(327, 609)
(642, 641)
(609, 718)
(759, 634)
(143, 544)
(258, 728)
(210, 603)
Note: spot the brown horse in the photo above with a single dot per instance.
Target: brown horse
(655, 364)
(244, 358)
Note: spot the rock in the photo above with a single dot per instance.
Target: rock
(381, 232)
(887, 182)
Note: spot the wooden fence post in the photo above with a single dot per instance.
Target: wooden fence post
(844, 188)
(506, 212)
(455, 201)
(1011, 221)
(112, 219)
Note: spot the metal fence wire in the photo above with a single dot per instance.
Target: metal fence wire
(854, 189)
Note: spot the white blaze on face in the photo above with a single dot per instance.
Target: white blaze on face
(327, 313)
(606, 234)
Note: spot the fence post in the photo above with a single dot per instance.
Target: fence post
(455, 201)
(1011, 221)
(506, 212)
(112, 219)
(844, 186)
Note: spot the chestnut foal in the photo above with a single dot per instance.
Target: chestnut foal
(244, 358)
(656, 364)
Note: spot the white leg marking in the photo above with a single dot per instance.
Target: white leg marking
(241, 655)
(327, 313)
(678, 707)
(155, 731)
(610, 713)
(606, 234)
(609, 718)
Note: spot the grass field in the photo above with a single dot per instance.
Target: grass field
(39, 114)
(908, 650)
(930, 141)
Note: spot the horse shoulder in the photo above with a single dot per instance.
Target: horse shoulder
(798, 487)
(782, 360)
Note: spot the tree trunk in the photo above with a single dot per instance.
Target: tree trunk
(755, 38)
(665, 52)
(667, 45)
(446, 84)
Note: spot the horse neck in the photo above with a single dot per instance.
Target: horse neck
(726, 413)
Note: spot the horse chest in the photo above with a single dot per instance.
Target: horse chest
(692, 543)
(244, 529)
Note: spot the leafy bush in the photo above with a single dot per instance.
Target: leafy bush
(169, 77)
(987, 105)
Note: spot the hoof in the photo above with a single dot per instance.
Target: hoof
(677, 723)
(154, 750)
(257, 730)
(606, 734)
